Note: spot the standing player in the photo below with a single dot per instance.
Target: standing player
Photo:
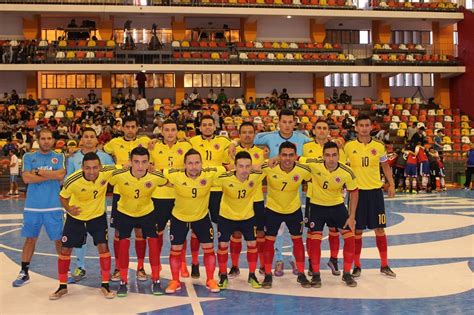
(366, 155)
(410, 170)
(120, 149)
(424, 165)
(135, 210)
(43, 171)
(214, 151)
(83, 198)
(14, 172)
(240, 188)
(74, 163)
(314, 149)
(192, 188)
(167, 154)
(284, 205)
(247, 136)
(329, 177)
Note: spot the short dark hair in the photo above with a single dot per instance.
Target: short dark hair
(90, 156)
(88, 129)
(169, 122)
(286, 112)
(191, 152)
(246, 123)
(242, 155)
(330, 145)
(321, 121)
(207, 117)
(362, 117)
(140, 151)
(287, 145)
(129, 119)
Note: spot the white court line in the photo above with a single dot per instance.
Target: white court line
(451, 207)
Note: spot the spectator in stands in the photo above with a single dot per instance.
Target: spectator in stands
(31, 51)
(108, 118)
(72, 24)
(141, 107)
(284, 96)
(185, 101)
(431, 104)
(469, 168)
(236, 110)
(263, 104)
(438, 142)
(211, 97)
(411, 130)
(351, 134)
(217, 119)
(399, 170)
(31, 103)
(330, 121)
(14, 172)
(130, 96)
(157, 130)
(19, 54)
(62, 131)
(120, 98)
(5, 98)
(97, 126)
(335, 96)
(87, 114)
(195, 99)
(117, 130)
(381, 109)
(14, 98)
(7, 52)
(345, 98)
(347, 122)
(71, 102)
(197, 123)
(221, 98)
(274, 96)
(250, 104)
(419, 136)
(106, 135)
(92, 97)
(141, 82)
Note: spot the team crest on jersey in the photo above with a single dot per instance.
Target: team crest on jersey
(103, 182)
(251, 183)
(311, 225)
(338, 180)
(256, 155)
(203, 182)
(231, 185)
(180, 151)
(148, 184)
(64, 239)
(373, 151)
(54, 160)
(296, 178)
(217, 146)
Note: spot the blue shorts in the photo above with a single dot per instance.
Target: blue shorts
(13, 178)
(34, 220)
(410, 170)
(425, 168)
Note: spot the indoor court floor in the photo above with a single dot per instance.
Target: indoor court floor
(431, 248)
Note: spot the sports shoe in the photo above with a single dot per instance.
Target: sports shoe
(267, 282)
(106, 291)
(294, 268)
(234, 272)
(62, 290)
(357, 271)
(122, 290)
(316, 280)
(310, 268)
(156, 288)
(195, 271)
(184, 270)
(223, 281)
(141, 275)
(349, 279)
(332, 264)
(173, 286)
(212, 286)
(115, 276)
(279, 267)
(261, 270)
(22, 279)
(466, 188)
(388, 272)
(78, 274)
(253, 281)
(303, 280)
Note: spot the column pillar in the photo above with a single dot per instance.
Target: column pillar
(383, 88)
(32, 84)
(317, 31)
(179, 87)
(106, 28)
(248, 30)
(178, 28)
(441, 91)
(32, 27)
(106, 89)
(381, 32)
(318, 88)
(250, 89)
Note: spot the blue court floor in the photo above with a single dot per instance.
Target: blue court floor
(431, 248)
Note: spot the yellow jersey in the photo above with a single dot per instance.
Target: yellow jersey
(328, 186)
(166, 157)
(121, 148)
(89, 196)
(258, 158)
(365, 161)
(238, 197)
(135, 193)
(213, 152)
(192, 195)
(283, 188)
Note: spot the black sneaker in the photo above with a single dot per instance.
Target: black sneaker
(267, 282)
(195, 271)
(123, 290)
(223, 281)
(349, 279)
(357, 271)
(388, 272)
(303, 280)
(332, 264)
(316, 280)
(156, 288)
(310, 268)
(253, 281)
(234, 272)
(62, 290)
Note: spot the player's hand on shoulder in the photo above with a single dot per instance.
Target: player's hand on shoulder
(273, 162)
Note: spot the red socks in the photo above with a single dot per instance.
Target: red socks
(194, 249)
(209, 262)
(334, 243)
(222, 257)
(116, 251)
(183, 253)
(155, 244)
(64, 261)
(381, 240)
(235, 249)
(105, 262)
(269, 253)
(316, 238)
(298, 252)
(261, 250)
(124, 259)
(175, 263)
(252, 256)
(357, 249)
(140, 248)
(348, 251)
